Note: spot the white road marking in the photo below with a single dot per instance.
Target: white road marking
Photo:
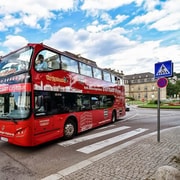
(85, 138)
(105, 127)
(79, 166)
(101, 144)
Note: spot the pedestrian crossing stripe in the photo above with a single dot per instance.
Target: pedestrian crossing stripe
(163, 70)
(102, 143)
(92, 136)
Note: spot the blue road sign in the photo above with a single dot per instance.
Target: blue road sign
(163, 69)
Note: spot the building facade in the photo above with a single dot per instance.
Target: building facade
(143, 87)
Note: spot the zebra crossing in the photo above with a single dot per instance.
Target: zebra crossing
(103, 143)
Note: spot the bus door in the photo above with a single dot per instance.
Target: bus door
(44, 120)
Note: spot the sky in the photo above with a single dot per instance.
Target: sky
(124, 35)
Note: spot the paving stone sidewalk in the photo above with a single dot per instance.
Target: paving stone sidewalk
(138, 161)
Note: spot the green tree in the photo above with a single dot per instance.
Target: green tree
(173, 88)
(178, 87)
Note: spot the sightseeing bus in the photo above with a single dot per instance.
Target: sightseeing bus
(69, 95)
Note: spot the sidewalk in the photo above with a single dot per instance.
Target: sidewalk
(135, 160)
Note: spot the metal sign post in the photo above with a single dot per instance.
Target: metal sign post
(162, 82)
(158, 116)
(162, 70)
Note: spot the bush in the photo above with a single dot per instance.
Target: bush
(130, 98)
(153, 102)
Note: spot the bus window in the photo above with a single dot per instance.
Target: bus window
(47, 103)
(42, 103)
(106, 101)
(85, 69)
(53, 62)
(83, 102)
(106, 76)
(95, 102)
(47, 60)
(15, 62)
(15, 105)
(97, 73)
(70, 102)
(113, 79)
(69, 64)
(119, 81)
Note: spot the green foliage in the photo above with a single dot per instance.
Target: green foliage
(173, 88)
(153, 102)
(130, 98)
(162, 106)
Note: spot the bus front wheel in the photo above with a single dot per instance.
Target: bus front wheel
(69, 129)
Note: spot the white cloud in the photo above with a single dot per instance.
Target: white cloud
(150, 17)
(107, 23)
(104, 4)
(101, 40)
(31, 6)
(110, 49)
(164, 19)
(143, 56)
(97, 7)
(29, 12)
(111, 22)
(150, 5)
(31, 21)
(17, 30)
(8, 21)
(91, 42)
(14, 42)
(170, 22)
(63, 39)
(96, 28)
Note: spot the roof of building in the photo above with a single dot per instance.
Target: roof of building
(139, 76)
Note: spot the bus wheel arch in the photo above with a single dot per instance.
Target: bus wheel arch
(70, 128)
(114, 116)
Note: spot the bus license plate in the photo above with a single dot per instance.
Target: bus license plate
(4, 139)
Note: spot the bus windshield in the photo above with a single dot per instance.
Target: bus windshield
(14, 105)
(15, 62)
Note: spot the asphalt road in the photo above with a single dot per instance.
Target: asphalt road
(38, 162)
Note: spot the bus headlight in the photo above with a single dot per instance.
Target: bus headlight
(20, 132)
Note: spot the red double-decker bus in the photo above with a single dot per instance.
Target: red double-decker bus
(58, 95)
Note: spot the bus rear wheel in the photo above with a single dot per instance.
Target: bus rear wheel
(69, 129)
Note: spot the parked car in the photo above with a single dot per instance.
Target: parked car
(127, 107)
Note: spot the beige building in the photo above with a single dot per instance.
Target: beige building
(143, 87)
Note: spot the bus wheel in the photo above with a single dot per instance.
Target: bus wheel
(69, 129)
(113, 117)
